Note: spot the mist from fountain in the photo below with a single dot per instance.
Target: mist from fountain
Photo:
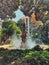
(16, 42)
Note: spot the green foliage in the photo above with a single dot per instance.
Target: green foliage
(20, 23)
(1, 34)
(18, 31)
(9, 27)
(35, 35)
(41, 33)
(37, 48)
(38, 57)
(44, 33)
(28, 57)
(47, 49)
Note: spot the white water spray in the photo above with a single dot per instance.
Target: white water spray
(16, 43)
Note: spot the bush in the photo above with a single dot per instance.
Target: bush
(37, 48)
(8, 27)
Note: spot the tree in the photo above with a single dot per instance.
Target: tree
(42, 12)
(8, 27)
(44, 33)
(20, 24)
(7, 8)
(27, 6)
(40, 8)
(37, 48)
(0, 34)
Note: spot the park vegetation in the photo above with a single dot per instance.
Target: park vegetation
(9, 27)
(34, 56)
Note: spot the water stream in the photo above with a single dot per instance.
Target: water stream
(16, 43)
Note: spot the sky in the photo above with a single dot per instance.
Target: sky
(19, 15)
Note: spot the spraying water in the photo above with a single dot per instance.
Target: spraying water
(16, 43)
(30, 43)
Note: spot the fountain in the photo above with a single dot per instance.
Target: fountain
(16, 42)
(30, 43)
